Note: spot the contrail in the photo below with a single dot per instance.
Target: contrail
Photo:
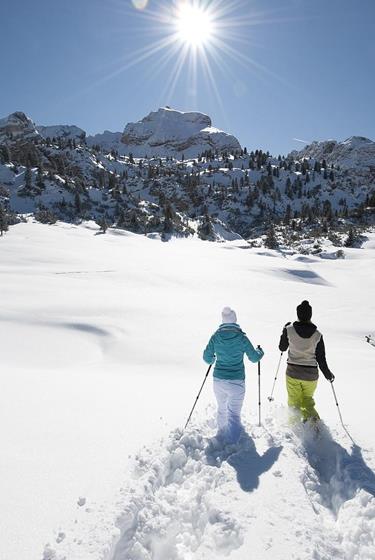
(303, 141)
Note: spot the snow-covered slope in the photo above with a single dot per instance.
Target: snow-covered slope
(170, 132)
(102, 337)
(355, 152)
(64, 131)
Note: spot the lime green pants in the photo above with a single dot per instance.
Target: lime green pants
(300, 396)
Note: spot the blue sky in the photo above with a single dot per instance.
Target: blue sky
(67, 62)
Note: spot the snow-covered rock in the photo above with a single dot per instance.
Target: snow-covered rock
(171, 132)
(355, 152)
(17, 125)
(71, 132)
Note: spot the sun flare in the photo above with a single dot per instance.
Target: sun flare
(195, 41)
(194, 25)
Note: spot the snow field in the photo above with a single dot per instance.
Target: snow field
(190, 499)
(102, 338)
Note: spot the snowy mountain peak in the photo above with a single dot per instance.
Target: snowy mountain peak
(15, 125)
(18, 125)
(356, 152)
(107, 140)
(65, 131)
(171, 132)
(165, 132)
(357, 142)
(18, 117)
(166, 115)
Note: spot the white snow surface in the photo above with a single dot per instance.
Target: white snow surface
(102, 337)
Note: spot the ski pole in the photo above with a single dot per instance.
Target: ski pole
(259, 400)
(270, 398)
(338, 410)
(196, 400)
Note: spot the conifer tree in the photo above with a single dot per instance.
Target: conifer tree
(4, 154)
(77, 203)
(271, 242)
(205, 228)
(103, 224)
(168, 219)
(350, 240)
(288, 214)
(39, 178)
(371, 200)
(28, 179)
(3, 221)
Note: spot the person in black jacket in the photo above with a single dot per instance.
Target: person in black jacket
(306, 353)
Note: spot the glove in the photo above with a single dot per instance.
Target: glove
(261, 350)
(330, 377)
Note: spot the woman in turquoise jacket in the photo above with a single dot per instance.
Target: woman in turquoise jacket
(226, 348)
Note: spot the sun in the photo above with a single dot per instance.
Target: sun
(194, 25)
(194, 41)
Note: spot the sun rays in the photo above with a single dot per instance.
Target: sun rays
(199, 42)
(189, 38)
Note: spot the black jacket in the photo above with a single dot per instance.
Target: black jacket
(305, 330)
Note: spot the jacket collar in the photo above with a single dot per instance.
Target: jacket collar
(230, 327)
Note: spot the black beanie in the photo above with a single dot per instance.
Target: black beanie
(304, 311)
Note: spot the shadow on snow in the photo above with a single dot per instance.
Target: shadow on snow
(340, 473)
(245, 460)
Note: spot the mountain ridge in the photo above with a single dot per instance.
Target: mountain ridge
(18, 123)
(219, 192)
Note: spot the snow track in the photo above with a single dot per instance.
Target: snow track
(280, 493)
(172, 514)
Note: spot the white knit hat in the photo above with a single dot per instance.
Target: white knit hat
(229, 315)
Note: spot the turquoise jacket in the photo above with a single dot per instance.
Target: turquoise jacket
(227, 346)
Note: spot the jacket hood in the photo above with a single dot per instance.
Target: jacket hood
(227, 331)
(303, 329)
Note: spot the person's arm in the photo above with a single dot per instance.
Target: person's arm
(284, 341)
(254, 354)
(209, 353)
(320, 354)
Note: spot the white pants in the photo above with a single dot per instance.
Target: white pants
(229, 395)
